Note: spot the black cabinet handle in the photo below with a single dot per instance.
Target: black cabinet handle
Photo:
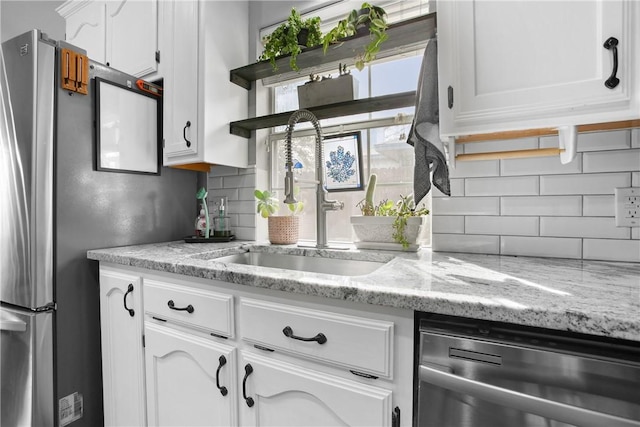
(288, 332)
(248, 369)
(395, 417)
(184, 133)
(130, 310)
(612, 45)
(172, 306)
(221, 362)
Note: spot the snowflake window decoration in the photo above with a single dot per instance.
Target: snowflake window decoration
(340, 167)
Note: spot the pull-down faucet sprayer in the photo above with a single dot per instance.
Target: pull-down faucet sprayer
(322, 204)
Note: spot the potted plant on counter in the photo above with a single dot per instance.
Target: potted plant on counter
(388, 225)
(290, 37)
(368, 17)
(285, 229)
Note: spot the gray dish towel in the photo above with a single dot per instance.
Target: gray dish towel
(430, 151)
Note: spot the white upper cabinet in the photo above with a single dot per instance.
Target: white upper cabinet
(122, 34)
(529, 64)
(207, 40)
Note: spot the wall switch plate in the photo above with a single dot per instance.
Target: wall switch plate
(627, 207)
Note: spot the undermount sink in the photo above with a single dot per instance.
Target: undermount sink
(340, 267)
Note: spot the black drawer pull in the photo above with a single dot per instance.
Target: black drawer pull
(221, 362)
(612, 45)
(130, 310)
(172, 306)
(288, 332)
(248, 369)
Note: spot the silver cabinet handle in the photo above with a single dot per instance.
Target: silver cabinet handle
(547, 408)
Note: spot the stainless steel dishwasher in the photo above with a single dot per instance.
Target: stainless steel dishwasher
(485, 374)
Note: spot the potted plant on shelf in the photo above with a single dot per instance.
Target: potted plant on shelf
(388, 225)
(283, 230)
(367, 17)
(290, 37)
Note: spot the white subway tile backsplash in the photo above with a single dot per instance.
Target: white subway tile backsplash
(246, 193)
(502, 186)
(214, 182)
(447, 224)
(506, 145)
(551, 247)
(502, 225)
(541, 206)
(216, 193)
(598, 206)
(246, 220)
(635, 138)
(475, 169)
(465, 243)
(635, 233)
(240, 181)
(245, 233)
(612, 161)
(539, 166)
(599, 228)
(612, 250)
(600, 183)
(466, 206)
(595, 141)
(635, 179)
(224, 171)
(455, 185)
(241, 206)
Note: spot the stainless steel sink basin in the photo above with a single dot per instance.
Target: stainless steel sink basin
(341, 267)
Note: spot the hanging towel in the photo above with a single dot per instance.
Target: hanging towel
(430, 151)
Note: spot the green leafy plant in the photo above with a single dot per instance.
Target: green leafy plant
(269, 205)
(369, 16)
(402, 209)
(284, 39)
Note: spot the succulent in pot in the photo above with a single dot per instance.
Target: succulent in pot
(387, 223)
(290, 37)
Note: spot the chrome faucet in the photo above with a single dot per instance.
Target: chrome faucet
(322, 204)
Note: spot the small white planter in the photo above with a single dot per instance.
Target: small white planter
(376, 232)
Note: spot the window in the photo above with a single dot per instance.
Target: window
(384, 134)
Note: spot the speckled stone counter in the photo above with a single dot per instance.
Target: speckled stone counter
(592, 297)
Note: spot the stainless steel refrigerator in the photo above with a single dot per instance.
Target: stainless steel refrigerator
(54, 206)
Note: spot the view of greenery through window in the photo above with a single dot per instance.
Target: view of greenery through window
(384, 149)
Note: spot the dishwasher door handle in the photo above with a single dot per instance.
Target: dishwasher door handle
(523, 402)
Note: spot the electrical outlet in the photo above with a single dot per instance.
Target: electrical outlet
(627, 207)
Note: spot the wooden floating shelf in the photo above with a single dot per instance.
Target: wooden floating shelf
(387, 102)
(403, 36)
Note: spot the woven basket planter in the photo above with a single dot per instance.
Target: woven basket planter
(283, 230)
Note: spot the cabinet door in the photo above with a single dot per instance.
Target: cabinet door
(181, 82)
(513, 65)
(85, 28)
(183, 374)
(286, 395)
(132, 36)
(122, 352)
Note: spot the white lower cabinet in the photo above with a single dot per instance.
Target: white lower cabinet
(276, 393)
(190, 380)
(217, 355)
(121, 322)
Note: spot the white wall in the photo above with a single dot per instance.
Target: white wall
(539, 207)
(17, 17)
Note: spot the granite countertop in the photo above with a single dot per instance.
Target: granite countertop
(592, 297)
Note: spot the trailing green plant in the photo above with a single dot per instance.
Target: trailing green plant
(370, 16)
(284, 39)
(269, 205)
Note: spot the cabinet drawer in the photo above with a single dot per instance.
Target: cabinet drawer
(356, 343)
(190, 306)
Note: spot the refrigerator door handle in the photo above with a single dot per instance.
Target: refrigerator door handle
(130, 310)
